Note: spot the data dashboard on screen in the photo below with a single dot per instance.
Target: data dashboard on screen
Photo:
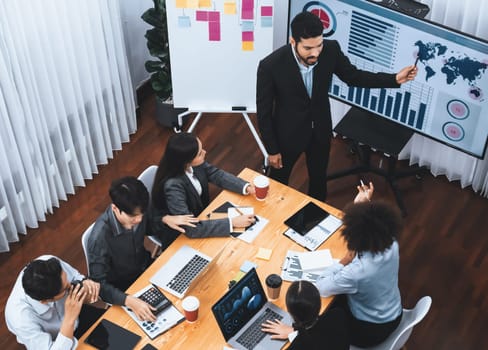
(447, 101)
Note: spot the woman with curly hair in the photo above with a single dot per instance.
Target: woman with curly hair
(367, 275)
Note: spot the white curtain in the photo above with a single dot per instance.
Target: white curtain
(66, 103)
(468, 16)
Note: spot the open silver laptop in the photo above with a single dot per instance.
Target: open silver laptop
(242, 310)
(183, 270)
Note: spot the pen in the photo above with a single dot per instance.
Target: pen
(416, 61)
(238, 211)
(362, 183)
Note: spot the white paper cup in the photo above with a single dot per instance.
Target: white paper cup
(190, 307)
(261, 185)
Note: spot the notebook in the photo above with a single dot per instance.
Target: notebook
(109, 336)
(242, 310)
(183, 270)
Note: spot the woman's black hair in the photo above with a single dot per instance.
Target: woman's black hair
(303, 303)
(371, 226)
(180, 150)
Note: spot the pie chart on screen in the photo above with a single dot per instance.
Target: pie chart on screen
(325, 14)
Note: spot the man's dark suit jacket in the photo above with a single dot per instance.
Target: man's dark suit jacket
(182, 198)
(284, 109)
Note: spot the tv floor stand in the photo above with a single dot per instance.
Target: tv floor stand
(369, 133)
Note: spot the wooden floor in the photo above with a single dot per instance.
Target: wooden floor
(443, 247)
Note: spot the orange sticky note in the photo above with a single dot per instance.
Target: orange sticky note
(230, 8)
(248, 46)
(180, 4)
(205, 3)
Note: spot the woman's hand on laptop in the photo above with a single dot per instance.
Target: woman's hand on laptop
(141, 309)
(277, 329)
(176, 221)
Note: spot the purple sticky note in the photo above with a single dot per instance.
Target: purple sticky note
(202, 16)
(247, 36)
(266, 10)
(214, 31)
(214, 16)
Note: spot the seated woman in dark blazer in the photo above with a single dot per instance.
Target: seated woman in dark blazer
(310, 330)
(181, 187)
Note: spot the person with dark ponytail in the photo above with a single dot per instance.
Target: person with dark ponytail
(310, 329)
(181, 188)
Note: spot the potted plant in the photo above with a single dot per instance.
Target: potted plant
(160, 69)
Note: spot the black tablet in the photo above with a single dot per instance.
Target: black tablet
(306, 218)
(108, 335)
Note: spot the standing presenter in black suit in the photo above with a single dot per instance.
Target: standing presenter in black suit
(292, 99)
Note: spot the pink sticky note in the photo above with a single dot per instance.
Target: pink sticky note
(266, 10)
(214, 31)
(214, 16)
(247, 5)
(247, 36)
(202, 16)
(247, 14)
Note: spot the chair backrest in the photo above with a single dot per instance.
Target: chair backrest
(410, 318)
(84, 243)
(147, 178)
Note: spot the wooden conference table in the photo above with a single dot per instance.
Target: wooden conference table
(281, 202)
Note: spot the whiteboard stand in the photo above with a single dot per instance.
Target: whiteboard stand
(244, 115)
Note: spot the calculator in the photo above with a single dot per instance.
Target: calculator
(154, 297)
(167, 316)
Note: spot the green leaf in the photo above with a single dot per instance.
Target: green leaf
(154, 66)
(154, 18)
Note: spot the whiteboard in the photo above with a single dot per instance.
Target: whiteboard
(215, 48)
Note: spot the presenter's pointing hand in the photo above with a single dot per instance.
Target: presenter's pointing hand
(275, 160)
(406, 74)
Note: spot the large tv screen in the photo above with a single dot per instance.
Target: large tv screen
(448, 101)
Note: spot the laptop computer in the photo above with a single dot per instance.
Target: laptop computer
(242, 310)
(183, 270)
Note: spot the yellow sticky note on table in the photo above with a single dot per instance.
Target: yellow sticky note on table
(180, 4)
(192, 4)
(205, 3)
(264, 253)
(230, 8)
(247, 45)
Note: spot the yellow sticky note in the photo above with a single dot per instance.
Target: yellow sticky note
(192, 4)
(230, 8)
(264, 253)
(180, 4)
(248, 46)
(205, 3)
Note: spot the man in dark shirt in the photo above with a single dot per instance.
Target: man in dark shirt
(116, 251)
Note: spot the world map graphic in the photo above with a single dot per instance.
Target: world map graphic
(453, 65)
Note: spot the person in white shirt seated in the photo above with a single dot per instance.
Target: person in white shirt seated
(46, 310)
(367, 275)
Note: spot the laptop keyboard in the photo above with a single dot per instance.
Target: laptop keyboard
(253, 334)
(184, 277)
